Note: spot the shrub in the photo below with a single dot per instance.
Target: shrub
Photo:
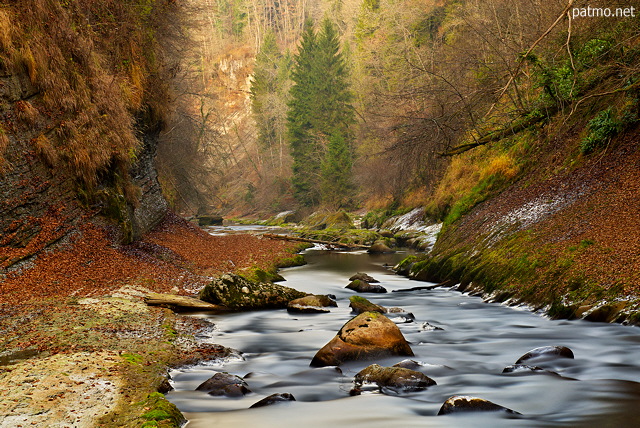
(602, 128)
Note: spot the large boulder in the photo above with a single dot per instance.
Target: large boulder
(364, 287)
(461, 403)
(224, 384)
(393, 379)
(311, 304)
(366, 336)
(238, 293)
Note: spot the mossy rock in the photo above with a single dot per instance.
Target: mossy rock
(238, 293)
(360, 304)
(337, 220)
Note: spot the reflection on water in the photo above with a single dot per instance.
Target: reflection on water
(598, 388)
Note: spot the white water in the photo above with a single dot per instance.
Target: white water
(466, 358)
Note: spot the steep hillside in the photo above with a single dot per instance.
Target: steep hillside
(545, 211)
(81, 103)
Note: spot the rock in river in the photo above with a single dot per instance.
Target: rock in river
(545, 353)
(364, 277)
(238, 293)
(394, 379)
(273, 399)
(366, 336)
(359, 305)
(461, 403)
(224, 384)
(380, 248)
(311, 304)
(364, 287)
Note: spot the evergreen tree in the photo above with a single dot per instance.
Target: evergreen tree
(336, 173)
(320, 108)
(305, 147)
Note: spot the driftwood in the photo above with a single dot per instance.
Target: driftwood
(316, 241)
(182, 303)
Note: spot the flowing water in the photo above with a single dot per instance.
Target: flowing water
(599, 388)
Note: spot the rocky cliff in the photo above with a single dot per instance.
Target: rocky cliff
(80, 115)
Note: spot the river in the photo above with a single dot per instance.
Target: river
(599, 388)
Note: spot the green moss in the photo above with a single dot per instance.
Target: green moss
(358, 299)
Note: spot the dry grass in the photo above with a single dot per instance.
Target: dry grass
(45, 150)
(26, 113)
(93, 78)
(6, 29)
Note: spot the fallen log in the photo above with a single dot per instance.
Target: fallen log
(182, 303)
(316, 241)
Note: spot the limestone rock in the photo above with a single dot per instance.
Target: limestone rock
(394, 379)
(461, 403)
(237, 293)
(366, 336)
(224, 384)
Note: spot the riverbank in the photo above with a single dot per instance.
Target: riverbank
(79, 347)
(561, 238)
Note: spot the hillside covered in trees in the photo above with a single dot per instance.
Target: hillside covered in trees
(505, 120)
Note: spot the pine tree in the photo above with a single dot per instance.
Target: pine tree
(320, 108)
(336, 186)
(303, 137)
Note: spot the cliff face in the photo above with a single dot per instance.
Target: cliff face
(80, 115)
